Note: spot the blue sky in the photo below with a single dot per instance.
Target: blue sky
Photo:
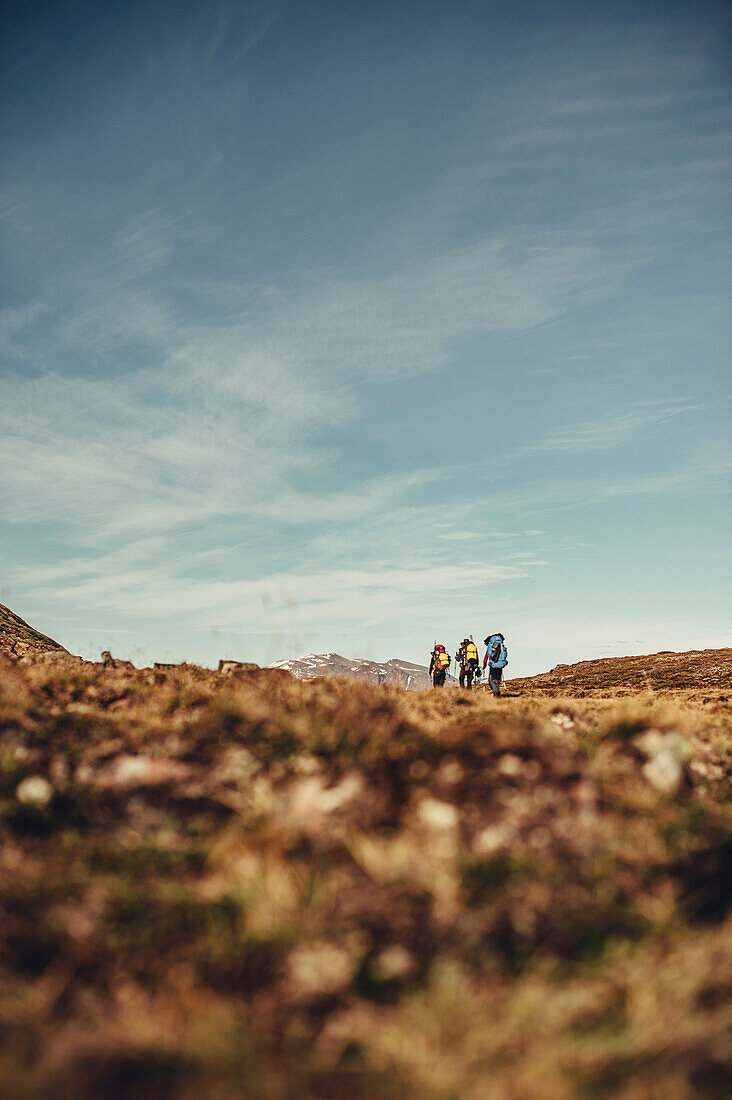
(346, 326)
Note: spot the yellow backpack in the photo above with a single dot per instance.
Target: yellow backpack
(443, 659)
(471, 652)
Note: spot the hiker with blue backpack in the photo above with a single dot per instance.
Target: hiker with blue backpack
(496, 657)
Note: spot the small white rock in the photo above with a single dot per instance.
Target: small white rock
(143, 771)
(510, 765)
(319, 968)
(438, 815)
(345, 791)
(490, 840)
(664, 768)
(664, 771)
(394, 962)
(34, 790)
(650, 743)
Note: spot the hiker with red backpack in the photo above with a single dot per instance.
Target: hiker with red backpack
(439, 664)
(496, 657)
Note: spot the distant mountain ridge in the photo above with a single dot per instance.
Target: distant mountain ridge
(393, 673)
(18, 638)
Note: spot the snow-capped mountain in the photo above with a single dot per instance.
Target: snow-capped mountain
(395, 672)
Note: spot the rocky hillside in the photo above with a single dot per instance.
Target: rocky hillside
(709, 669)
(392, 673)
(18, 639)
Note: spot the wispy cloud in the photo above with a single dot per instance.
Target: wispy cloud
(135, 580)
(226, 415)
(609, 431)
(536, 497)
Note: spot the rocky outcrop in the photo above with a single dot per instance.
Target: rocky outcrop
(229, 666)
(18, 639)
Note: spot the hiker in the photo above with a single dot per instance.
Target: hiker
(496, 657)
(467, 656)
(439, 664)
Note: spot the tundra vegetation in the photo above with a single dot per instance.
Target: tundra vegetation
(245, 885)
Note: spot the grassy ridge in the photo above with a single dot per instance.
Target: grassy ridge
(220, 887)
(697, 669)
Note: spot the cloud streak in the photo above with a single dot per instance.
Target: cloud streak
(225, 416)
(608, 431)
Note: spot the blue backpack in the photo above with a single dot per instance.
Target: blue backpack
(497, 652)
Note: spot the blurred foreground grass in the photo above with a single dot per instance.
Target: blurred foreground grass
(218, 887)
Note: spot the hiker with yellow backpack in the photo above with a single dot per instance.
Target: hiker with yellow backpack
(467, 657)
(439, 664)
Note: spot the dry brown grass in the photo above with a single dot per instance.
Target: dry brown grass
(225, 887)
(702, 670)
